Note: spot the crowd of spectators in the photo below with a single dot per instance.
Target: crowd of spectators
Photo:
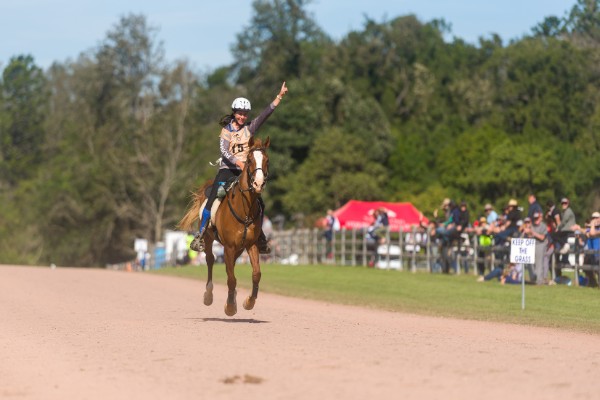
(551, 228)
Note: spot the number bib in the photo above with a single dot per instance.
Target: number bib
(238, 142)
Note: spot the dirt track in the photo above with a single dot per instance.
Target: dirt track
(95, 334)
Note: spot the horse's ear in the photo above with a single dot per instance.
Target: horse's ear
(251, 142)
(267, 142)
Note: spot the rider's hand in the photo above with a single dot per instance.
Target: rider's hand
(283, 90)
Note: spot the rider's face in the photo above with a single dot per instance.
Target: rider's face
(240, 117)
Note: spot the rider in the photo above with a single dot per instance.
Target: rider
(233, 142)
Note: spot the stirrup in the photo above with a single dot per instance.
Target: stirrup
(198, 242)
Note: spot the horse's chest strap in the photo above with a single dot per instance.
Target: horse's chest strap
(246, 221)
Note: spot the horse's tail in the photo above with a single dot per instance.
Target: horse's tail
(193, 212)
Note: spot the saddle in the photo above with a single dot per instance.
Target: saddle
(227, 186)
(213, 210)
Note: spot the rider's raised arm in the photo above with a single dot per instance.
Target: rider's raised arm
(266, 113)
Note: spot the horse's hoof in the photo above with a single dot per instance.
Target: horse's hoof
(208, 298)
(249, 303)
(230, 309)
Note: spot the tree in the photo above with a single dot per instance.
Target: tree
(583, 22)
(282, 42)
(335, 171)
(24, 109)
(122, 154)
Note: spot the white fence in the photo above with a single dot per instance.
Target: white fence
(407, 251)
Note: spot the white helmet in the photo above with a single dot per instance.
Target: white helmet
(241, 103)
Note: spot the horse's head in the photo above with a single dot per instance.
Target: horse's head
(257, 163)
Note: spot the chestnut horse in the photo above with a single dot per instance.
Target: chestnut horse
(237, 224)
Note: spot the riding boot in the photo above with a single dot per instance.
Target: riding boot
(263, 244)
(198, 242)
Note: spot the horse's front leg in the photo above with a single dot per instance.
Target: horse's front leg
(255, 261)
(210, 261)
(231, 305)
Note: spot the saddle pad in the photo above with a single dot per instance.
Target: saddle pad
(213, 210)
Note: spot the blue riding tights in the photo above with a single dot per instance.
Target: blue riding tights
(205, 218)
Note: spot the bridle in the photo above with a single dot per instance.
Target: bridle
(248, 219)
(252, 173)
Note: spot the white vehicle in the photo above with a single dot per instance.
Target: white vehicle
(388, 257)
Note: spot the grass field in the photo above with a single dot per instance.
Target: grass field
(458, 296)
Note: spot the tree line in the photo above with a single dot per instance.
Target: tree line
(105, 148)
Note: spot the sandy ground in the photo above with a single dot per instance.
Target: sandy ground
(95, 334)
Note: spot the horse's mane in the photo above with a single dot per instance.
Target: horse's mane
(258, 144)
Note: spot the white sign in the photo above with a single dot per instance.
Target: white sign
(522, 251)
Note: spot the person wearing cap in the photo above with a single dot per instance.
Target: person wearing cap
(456, 223)
(567, 218)
(565, 227)
(235, 134)
(462, 222)
(451, 212)
(445, 208)
(491, 215)
(535, 228)
(484, 238)
(594, 229)
(510, 228)
(589, 240)
(552, 216)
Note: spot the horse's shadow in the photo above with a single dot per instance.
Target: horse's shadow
(233, 320)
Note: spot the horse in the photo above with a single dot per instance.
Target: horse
(236, 224)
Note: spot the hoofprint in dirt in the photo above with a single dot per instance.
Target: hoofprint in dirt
(97, 334)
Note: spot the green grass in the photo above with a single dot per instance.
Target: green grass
(458, 296)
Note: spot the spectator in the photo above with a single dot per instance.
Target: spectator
(267, 229)
(564, 228)
(534, 206)
(484, 239)
(552, 216)
(441, 221)
(491, 215)
(591, 246)
(434, 240)
(332, 224)
(594, 231)
(445, 208)
(460, 222)
(378, 229)
(452, 216)
(513, 273)
(510, 227)
(535, 228)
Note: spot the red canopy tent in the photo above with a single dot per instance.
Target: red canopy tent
(359, 214)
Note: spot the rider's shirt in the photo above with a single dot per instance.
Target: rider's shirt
(234, 143)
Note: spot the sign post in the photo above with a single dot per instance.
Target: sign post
(522, 251)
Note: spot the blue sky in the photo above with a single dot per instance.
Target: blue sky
(203, 31)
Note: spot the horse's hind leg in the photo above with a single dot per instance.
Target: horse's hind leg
(231, 304)
(210, 261)
(255, 261)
